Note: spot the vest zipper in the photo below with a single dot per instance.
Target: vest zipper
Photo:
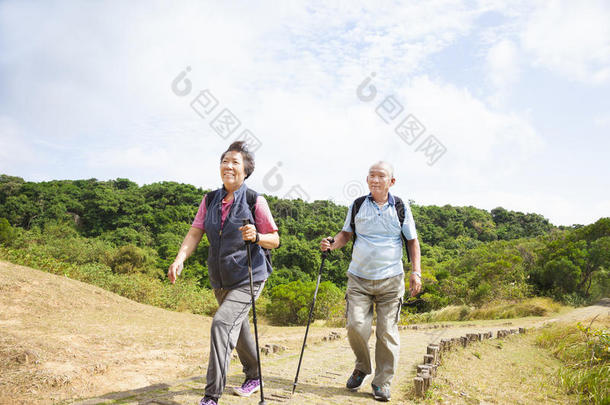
(220, 232)
(220, 240)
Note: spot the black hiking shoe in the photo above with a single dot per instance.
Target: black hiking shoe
(381, 394)
(355, 380)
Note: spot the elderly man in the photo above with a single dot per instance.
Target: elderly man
(375, 276)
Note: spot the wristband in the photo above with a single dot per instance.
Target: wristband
(258, 238)
(417, 274)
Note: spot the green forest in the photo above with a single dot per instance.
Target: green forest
(122, 237)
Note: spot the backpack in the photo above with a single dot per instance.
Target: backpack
(251, 197)
(400, 210)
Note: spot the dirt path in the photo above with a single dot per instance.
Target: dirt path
(326, 366)
(325, 369)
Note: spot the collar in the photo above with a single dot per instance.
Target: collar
(236, 193)
(391, 200)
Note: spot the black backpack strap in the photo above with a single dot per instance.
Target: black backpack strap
(209, 197)
(400, 210)
(355, 208)
(251, 197)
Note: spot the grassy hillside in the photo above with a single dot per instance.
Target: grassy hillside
(560, 363)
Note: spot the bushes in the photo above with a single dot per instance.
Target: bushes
(185, 295)
(493, 271)
(129, 259)
(129, 271)
(6, 232)
(289, 303)
(59, 240)
(122, 236)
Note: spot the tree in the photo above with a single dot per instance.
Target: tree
(6, 232)
(572, 259)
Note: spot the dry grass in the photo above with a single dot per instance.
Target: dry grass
(62, 338)
(509, 371)
(538, 306)
(584, 349)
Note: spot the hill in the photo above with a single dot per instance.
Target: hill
(61, 338)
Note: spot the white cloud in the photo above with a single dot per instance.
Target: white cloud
(503, 69)
(602, 120)
(571, 38)
(481, 142)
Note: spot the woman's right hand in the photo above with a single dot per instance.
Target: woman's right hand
(174, 271)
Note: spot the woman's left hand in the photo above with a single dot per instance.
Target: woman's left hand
(248, 232)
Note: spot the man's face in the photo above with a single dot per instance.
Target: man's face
(379, 180)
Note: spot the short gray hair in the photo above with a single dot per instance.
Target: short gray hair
(387, 165)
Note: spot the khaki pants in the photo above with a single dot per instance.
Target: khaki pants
(387, 296)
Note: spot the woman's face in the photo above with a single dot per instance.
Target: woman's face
(232, 171)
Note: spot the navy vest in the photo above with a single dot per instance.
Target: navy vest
(228, 257)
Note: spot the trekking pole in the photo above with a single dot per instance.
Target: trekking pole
(258, 355)
(313, 303)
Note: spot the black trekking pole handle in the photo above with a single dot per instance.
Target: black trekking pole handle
(327, 251)
(245, 222)
(313, 303)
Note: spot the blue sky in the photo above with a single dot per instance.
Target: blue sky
(514, 99)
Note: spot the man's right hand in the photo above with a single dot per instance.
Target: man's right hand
(325, 244)
(174, 270)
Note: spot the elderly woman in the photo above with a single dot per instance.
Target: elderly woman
(220, 216)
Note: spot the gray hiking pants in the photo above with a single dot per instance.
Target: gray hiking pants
(387, 296)
(231, 329)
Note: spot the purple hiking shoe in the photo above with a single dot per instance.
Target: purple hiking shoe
(250, 386)
(207, 401)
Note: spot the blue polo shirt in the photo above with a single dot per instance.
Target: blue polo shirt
(377, 253)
